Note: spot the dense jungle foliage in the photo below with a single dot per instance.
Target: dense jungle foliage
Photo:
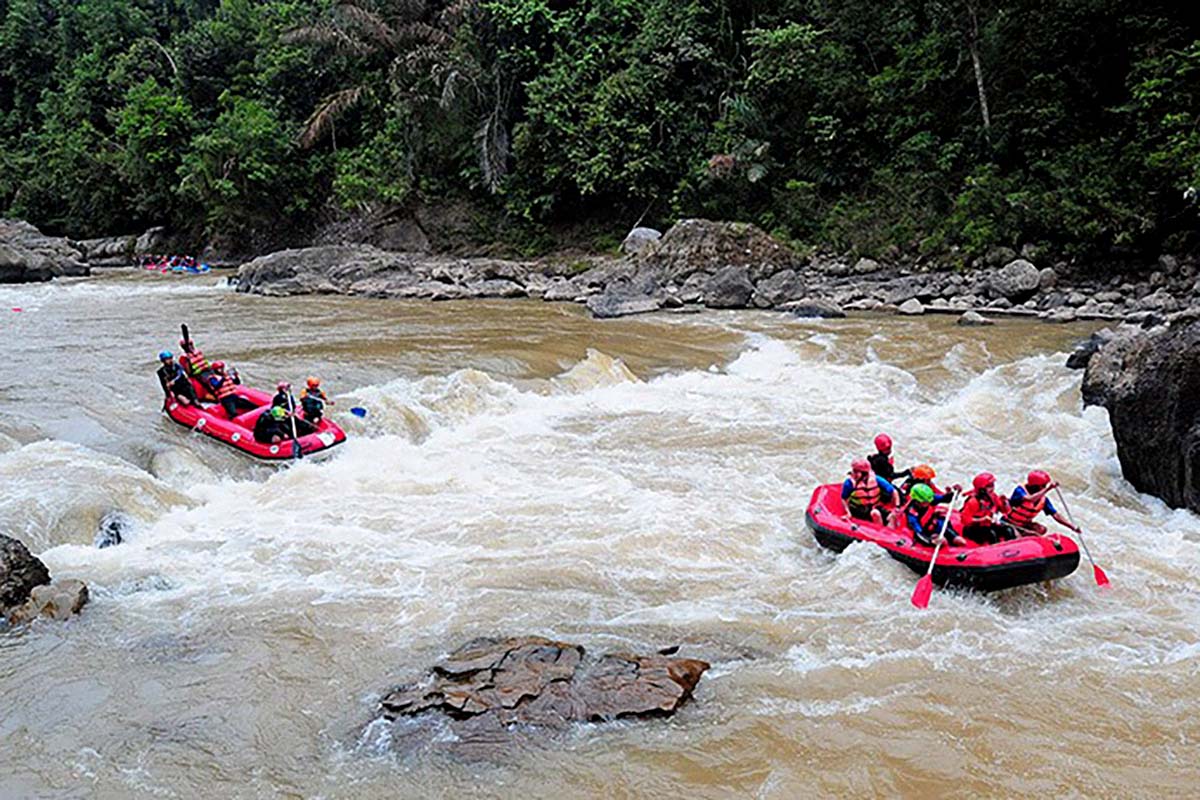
(913, 127)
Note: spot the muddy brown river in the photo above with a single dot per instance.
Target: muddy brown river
(626, 484)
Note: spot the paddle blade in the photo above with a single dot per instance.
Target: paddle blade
(1101, 578)
(295, 449)
(924, 590)
(358, 411)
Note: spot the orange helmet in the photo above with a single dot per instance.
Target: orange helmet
(314, 383)
(923, 472)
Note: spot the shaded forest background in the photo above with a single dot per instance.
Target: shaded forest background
(915, 129)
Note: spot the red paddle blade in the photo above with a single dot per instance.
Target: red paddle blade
(1101, 578)
(923, 592)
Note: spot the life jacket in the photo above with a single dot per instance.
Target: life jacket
(927, 519)
(1022, 515)
(226, 388)
(310, 392)
(983, 512)
(865, 495)
(194, 361)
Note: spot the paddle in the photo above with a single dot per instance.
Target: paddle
(184, 329)
(924, 589)
(1097, 573)
(292, 416)
(359, 412)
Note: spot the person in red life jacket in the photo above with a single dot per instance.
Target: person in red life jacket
(865, 493)
(174, 379)
(194, 362)
(313, 400)
(224, 385)
(882, 462)
(923, 475)
(1030, 500)
(924, 518)
(983, 511)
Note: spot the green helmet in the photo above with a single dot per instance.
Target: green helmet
(921, 493)
(278, 413)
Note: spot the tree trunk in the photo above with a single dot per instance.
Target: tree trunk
(973, 46)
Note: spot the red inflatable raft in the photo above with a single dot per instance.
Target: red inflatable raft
(985, 568)
(209, 418)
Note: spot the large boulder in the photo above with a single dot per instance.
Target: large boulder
(109, 251)
(26, 255)
(1149, 382)
(700, 245)
(20, 573)
(729, 287)
(367, 270)
(639, 239)
(781, 287)
(1017, 281)
(490, 691)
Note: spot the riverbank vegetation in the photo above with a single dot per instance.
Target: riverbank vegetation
(935, 128)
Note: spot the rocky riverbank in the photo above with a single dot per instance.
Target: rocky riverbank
(26, 591)
(699, 263)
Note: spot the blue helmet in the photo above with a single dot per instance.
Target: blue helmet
(164, 355)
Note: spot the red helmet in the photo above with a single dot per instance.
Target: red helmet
(1038, 478)
(883, 443)
(860, 465)
(283, 386)
(983, 480)
(218, 365)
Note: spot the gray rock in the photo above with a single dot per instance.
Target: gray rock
(1076, 299)
(999, 256)
(729, 287)
(1149, 382)
(779, 288)
(1060, 315)
(152, 242)
(692, 290)
(562, 289)
(1017, 280)
(698, 245)
(814, 307)
(114, 528)
(911, 308)
(1047, 279)
(1084, 351)
(495, 287)
(20, 572)
(1108, 297)
(1168, 264)
(622, 301)
(26, 255)
(1157, 279)
(639, 239)
(109, 251)
(1001, 303)
(974, 319)
(866, 266)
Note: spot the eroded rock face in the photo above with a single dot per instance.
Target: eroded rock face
(1150, 382)
(27, 255)
(489, 685)
(59, 600)
(20, 573)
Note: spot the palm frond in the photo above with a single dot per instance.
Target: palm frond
(324, 33)
(423, 32)
(368, 23)
(326, 113)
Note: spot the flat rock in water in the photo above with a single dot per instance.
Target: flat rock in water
(488, 687)
(912, 308)
(974, 318)
(814, 307)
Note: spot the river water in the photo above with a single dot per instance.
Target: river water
(633, 483)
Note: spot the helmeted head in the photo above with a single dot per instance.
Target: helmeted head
(923, 472)
(313, 383)
(219, 366)
(883, 443)
(860, 467)
(921, 493)
(984, 480)
(165, 355)
(277, 412)
(1037, 479)
(282, 386)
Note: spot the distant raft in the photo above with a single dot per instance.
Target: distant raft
(984, 568)
(210, 420)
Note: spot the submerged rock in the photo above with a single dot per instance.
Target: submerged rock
(486, 687)
(1149, 382)
(113, 529)
(20, 573)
